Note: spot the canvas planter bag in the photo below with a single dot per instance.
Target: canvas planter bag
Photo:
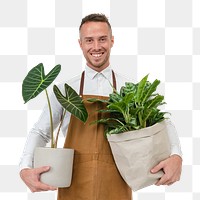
(137, 152)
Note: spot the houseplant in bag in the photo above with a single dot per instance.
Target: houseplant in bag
(60, 160)
(136, 130)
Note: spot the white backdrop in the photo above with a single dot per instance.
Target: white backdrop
(160, 37)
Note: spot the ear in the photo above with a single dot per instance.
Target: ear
(80, 43)
(112, 41)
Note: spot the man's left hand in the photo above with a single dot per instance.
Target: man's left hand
(172, 167)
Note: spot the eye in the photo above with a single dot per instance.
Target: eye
(103, 39)
(88, 41)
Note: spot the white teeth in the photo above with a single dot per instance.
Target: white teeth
(97, 55)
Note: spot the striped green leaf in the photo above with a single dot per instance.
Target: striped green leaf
(141, 88)
(36, 81)
(72, 102)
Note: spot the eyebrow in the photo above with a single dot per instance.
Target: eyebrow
(104, 36)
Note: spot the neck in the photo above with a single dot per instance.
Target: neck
(98, 69)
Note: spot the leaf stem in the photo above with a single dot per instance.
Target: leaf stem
(51, 119)
(61, 121)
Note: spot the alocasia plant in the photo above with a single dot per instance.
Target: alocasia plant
(36, 81)
(133, 108)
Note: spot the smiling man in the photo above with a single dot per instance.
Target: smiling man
(95, 175)
(96, 41)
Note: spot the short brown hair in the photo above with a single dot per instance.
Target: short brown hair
(96, 17)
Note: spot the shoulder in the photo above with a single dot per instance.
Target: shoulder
(73, 82)
(121, 79)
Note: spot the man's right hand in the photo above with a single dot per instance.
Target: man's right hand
(31, 178)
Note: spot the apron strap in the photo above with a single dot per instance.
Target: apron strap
(114, 80)
(82, 82)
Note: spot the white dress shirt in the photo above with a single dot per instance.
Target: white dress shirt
(95, 83)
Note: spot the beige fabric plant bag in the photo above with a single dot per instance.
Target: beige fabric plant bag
(137, 152)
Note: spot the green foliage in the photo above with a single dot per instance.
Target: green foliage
(36, 81)
(133, 108)
(72, 102)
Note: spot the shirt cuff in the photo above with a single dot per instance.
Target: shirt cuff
(175, 150)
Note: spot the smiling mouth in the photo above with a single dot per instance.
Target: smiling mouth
(96, 55)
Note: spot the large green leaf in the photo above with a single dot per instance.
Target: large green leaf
(127, 99)
(151, 90)
(140, 90)
(118, 106)
(155, 102)
(72, 102)
(92, 100)
(36, 81)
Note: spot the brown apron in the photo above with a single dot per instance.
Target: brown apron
(95, 175)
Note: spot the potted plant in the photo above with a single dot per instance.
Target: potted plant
(136, 131)
(60, 160)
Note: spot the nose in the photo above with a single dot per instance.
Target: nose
(96, 45)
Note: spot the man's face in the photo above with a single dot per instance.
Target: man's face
(96, 42)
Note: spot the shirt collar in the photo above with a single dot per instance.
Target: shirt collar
(92, 73)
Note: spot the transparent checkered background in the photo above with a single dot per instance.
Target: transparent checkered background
(151, 36)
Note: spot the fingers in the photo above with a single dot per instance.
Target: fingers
(162, 181)
(31, 178)
(166, 180)
(157, 168)
(39, 187)
(41, 170)
(171, 168)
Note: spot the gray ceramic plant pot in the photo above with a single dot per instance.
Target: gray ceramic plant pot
(61, 163)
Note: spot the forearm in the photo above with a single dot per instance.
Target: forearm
(33, 140)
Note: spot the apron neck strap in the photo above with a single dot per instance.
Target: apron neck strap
(82, 82)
